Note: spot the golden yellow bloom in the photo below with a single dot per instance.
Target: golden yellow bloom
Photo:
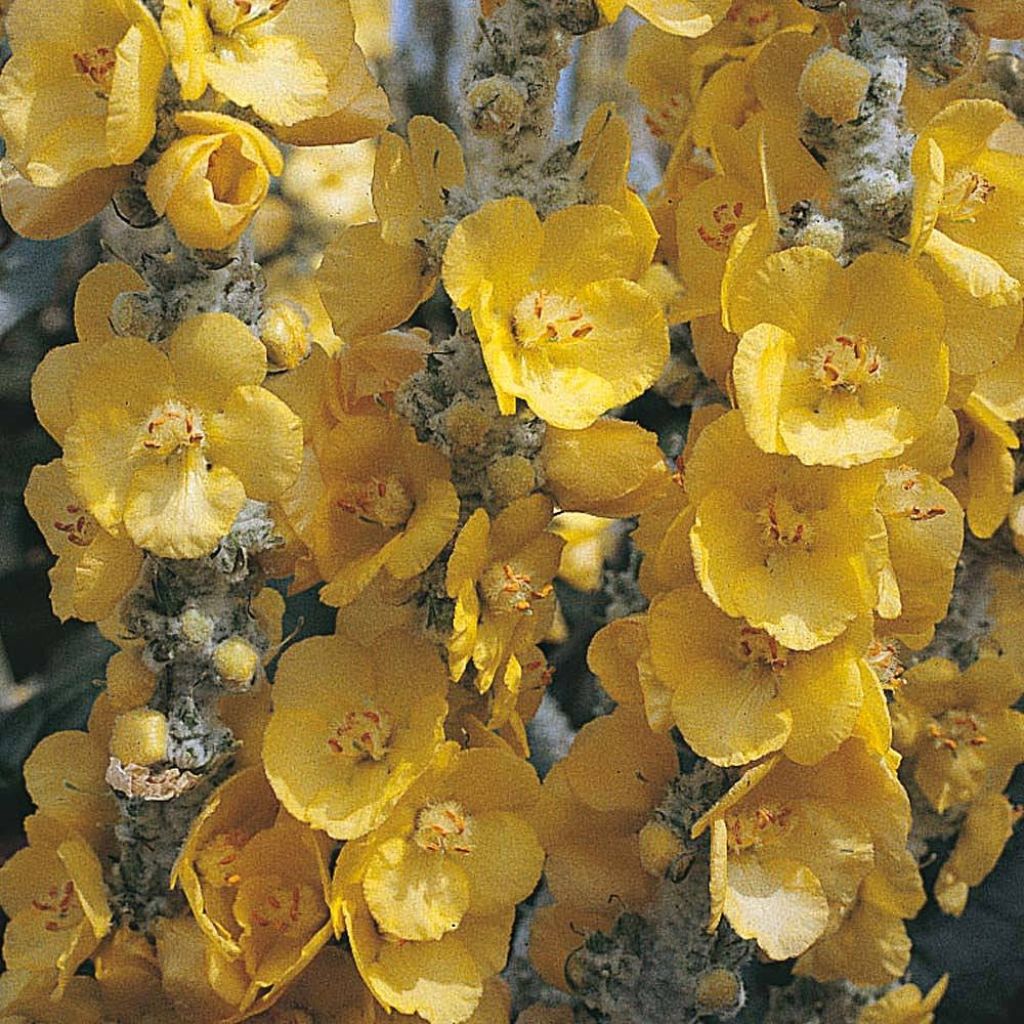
(351, 732)
(589, 540)
(127, 975)
(385, 504)
(958, 729)
(28, 996)
(611, 468)
(294, 62)
(168, 447)
(678, 17)
(94, 569)
(211, 182)
(54, 895)
(829, 371)
(967, 196)
(905, 1005)
(79, 92)
(428, 898)
(984, 474)
(738, 694)
(374, 275)
(332, 182)
(795, 550)
(500, 574)
(790, 845)
(560, 321)
(256, 880)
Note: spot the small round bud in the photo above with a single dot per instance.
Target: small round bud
(511, 477)
(284, 330)
(659, 848)
(834, 84)
(139, 737)
(823, 233)
(496, 106)
(131, 315)
(467, 425)
(196, 627)
(720, 991)
(236, 662)
(129, 683)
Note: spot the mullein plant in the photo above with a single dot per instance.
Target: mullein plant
(816, 671)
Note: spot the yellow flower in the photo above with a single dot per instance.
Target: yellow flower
(499, 575)
(385, 505)
(795, 550)
(428, 898)
(94, 569)
(560, 322)
(332, 182)
(826, 368)
(678, 17)
(127, 975)
(168, 447)
(350, 732)
(905, 1005)
(27, 997)
(54, 895)
(790, 845)
(1000, 18)
(967, 194)
(611, 468)
(295, 63)
(958, 729)
(738, 694)
(589, 540)
(374, 275)
(984, 474)
(211, 182)
(983, 836)
(79, 92)
(256, 880)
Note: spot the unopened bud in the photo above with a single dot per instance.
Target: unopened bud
(139, 737)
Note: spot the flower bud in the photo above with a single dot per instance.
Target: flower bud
(236, 662)
(834, 84)
(139, 737)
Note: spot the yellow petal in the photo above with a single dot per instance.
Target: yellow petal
(212, 354)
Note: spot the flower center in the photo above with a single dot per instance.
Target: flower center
(954, 729)
(544, 316)
(59, 907)
(226, 16)
(506, 588)
(725, 222)
(669, 120)
(288, 909)
(98, 66)
(965, 195)
(381, 500)
(846, 364)
(905, 481)
(756, 647)
(782, 524)
(216, 862)
(79, 528)
(364, 735)
(884, 659)
(444, 828)
(758, 19)
(753, 828)
(170, 429)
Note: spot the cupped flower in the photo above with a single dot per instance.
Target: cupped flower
(295, 63)
(826, 368)
(351, 730)
(428, 898)
(795, 550)
(211, 182)
(256, 881)
(500, 575)
(958, 729)
(738, 694)
(374, 275)
(561, 322)
(384, 504)
(905, 1005)
(79, 92)
(167, 447)
(967, 198)
(54, 894)
(791, 844)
